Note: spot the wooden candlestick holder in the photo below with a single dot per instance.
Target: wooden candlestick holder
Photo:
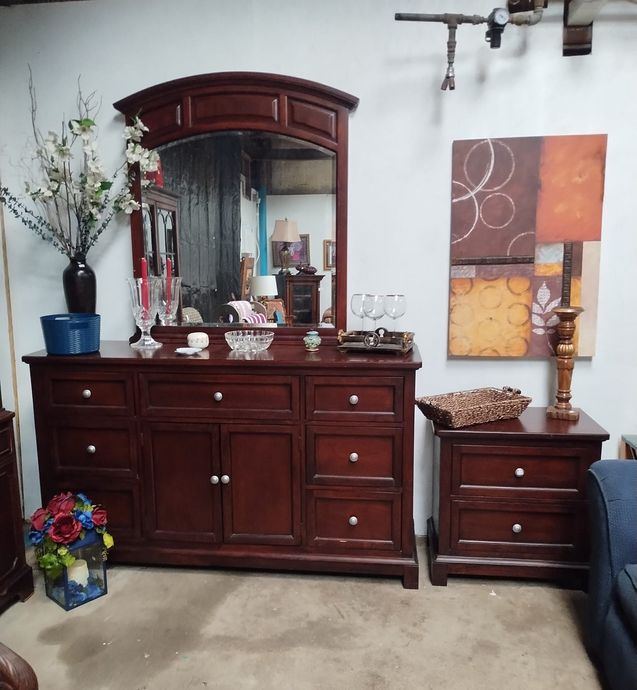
(565, 350)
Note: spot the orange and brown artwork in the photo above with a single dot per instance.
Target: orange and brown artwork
(525, 235)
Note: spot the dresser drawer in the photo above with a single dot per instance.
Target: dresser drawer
(74, 390)
(515, 471)
(554, 531)
(366, 520)
(93, 448)
(354, 455)
(122, 504)
(339, 398)
(220, 397)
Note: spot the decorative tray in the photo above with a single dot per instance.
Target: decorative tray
(380, 340)
(478, 406)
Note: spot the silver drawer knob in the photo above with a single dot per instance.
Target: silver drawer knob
(225, 479)
(353, 521)
(214, 479)
(519, 472)
(516, 529)
(353, 457)
(218, 396)
(86, 393)
(353, 399)
(91, 449)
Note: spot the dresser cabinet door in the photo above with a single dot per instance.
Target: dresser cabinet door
(261, 485)
(9, 522)
(182, 482)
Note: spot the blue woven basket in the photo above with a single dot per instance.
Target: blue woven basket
(71, 334)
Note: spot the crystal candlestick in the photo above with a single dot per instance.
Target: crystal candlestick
(144, 294)
(169, 299)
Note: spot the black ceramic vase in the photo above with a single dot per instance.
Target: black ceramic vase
(80, 290)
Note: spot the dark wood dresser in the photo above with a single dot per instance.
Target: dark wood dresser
(509, 498)
(16, 577)
(288, 460)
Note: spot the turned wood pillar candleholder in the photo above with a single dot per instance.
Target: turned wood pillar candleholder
(565, 350)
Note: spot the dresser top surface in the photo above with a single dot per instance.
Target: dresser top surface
(532, 423)
(218, 354)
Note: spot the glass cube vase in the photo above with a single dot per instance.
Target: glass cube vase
(85, 579)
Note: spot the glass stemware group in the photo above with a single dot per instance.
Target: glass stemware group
(376, 306)
(150, 297)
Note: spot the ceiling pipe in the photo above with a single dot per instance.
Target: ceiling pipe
(529, 18)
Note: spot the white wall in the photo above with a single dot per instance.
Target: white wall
(399, 158)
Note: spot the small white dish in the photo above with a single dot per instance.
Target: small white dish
(188, 350)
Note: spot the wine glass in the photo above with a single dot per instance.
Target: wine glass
(144, 294)
(395, 307)
(356, 305)
(169, 299)
(374, 307)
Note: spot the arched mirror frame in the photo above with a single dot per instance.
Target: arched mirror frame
(226, 101)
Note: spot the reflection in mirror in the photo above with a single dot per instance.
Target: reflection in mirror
(213, 207)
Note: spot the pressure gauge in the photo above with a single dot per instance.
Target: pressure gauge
(500, 16)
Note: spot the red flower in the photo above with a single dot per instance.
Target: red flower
(65, 529)
(38, 519)
(61, 503)
(99, 517)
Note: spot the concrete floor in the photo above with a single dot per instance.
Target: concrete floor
(179, 629)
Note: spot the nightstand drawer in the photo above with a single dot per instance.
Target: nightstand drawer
(354, 455)
(340, 398)
(516, 530)
(513, 471)
(76, 390)
(220, 397)
(90, 448)
(369, 520)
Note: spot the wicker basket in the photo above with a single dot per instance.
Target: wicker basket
(478, 406)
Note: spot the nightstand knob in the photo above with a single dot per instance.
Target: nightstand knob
(353, 521)
(353, 457)
(86, 393)
(225, 479)
(519, 472)
(218, 396)
(91, 449)
(214, 479)
(516, 529)
(353, 399)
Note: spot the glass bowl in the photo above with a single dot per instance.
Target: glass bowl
(249, 341)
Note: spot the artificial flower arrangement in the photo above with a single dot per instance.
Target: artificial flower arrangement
(67, 519)
(73, 200)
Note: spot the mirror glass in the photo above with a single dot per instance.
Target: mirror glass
(212, 209)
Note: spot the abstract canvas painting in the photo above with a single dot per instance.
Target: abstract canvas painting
(526, 227)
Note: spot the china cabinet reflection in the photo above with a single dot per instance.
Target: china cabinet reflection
(302, 298)
(160, 214)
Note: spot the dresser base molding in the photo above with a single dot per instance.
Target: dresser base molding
(405, 567)
(574, 575)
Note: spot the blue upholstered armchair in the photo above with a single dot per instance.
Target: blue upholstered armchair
(612, 590)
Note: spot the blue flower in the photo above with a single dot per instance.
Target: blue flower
(82, 498)
(84, 518)
(36, 537)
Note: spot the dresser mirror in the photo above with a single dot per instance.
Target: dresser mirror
(239, 152)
